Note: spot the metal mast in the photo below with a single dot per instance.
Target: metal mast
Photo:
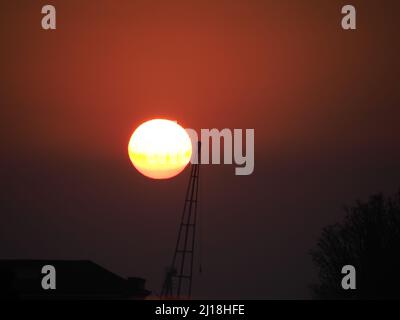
(178, 278)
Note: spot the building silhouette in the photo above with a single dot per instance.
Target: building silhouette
(75, 279)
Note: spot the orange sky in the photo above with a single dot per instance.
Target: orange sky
(286, 70)
(324, 104)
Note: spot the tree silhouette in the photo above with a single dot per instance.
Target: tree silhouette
(368, 239)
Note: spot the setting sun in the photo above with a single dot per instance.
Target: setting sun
(160, 149)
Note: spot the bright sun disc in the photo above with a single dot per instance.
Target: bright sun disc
(160, 149)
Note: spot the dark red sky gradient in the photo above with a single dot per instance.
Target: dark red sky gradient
(324, 104)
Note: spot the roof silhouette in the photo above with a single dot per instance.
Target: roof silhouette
(75, 279)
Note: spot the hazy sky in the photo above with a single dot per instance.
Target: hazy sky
(324, 104)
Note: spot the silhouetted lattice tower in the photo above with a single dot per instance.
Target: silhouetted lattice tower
(178, 278)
